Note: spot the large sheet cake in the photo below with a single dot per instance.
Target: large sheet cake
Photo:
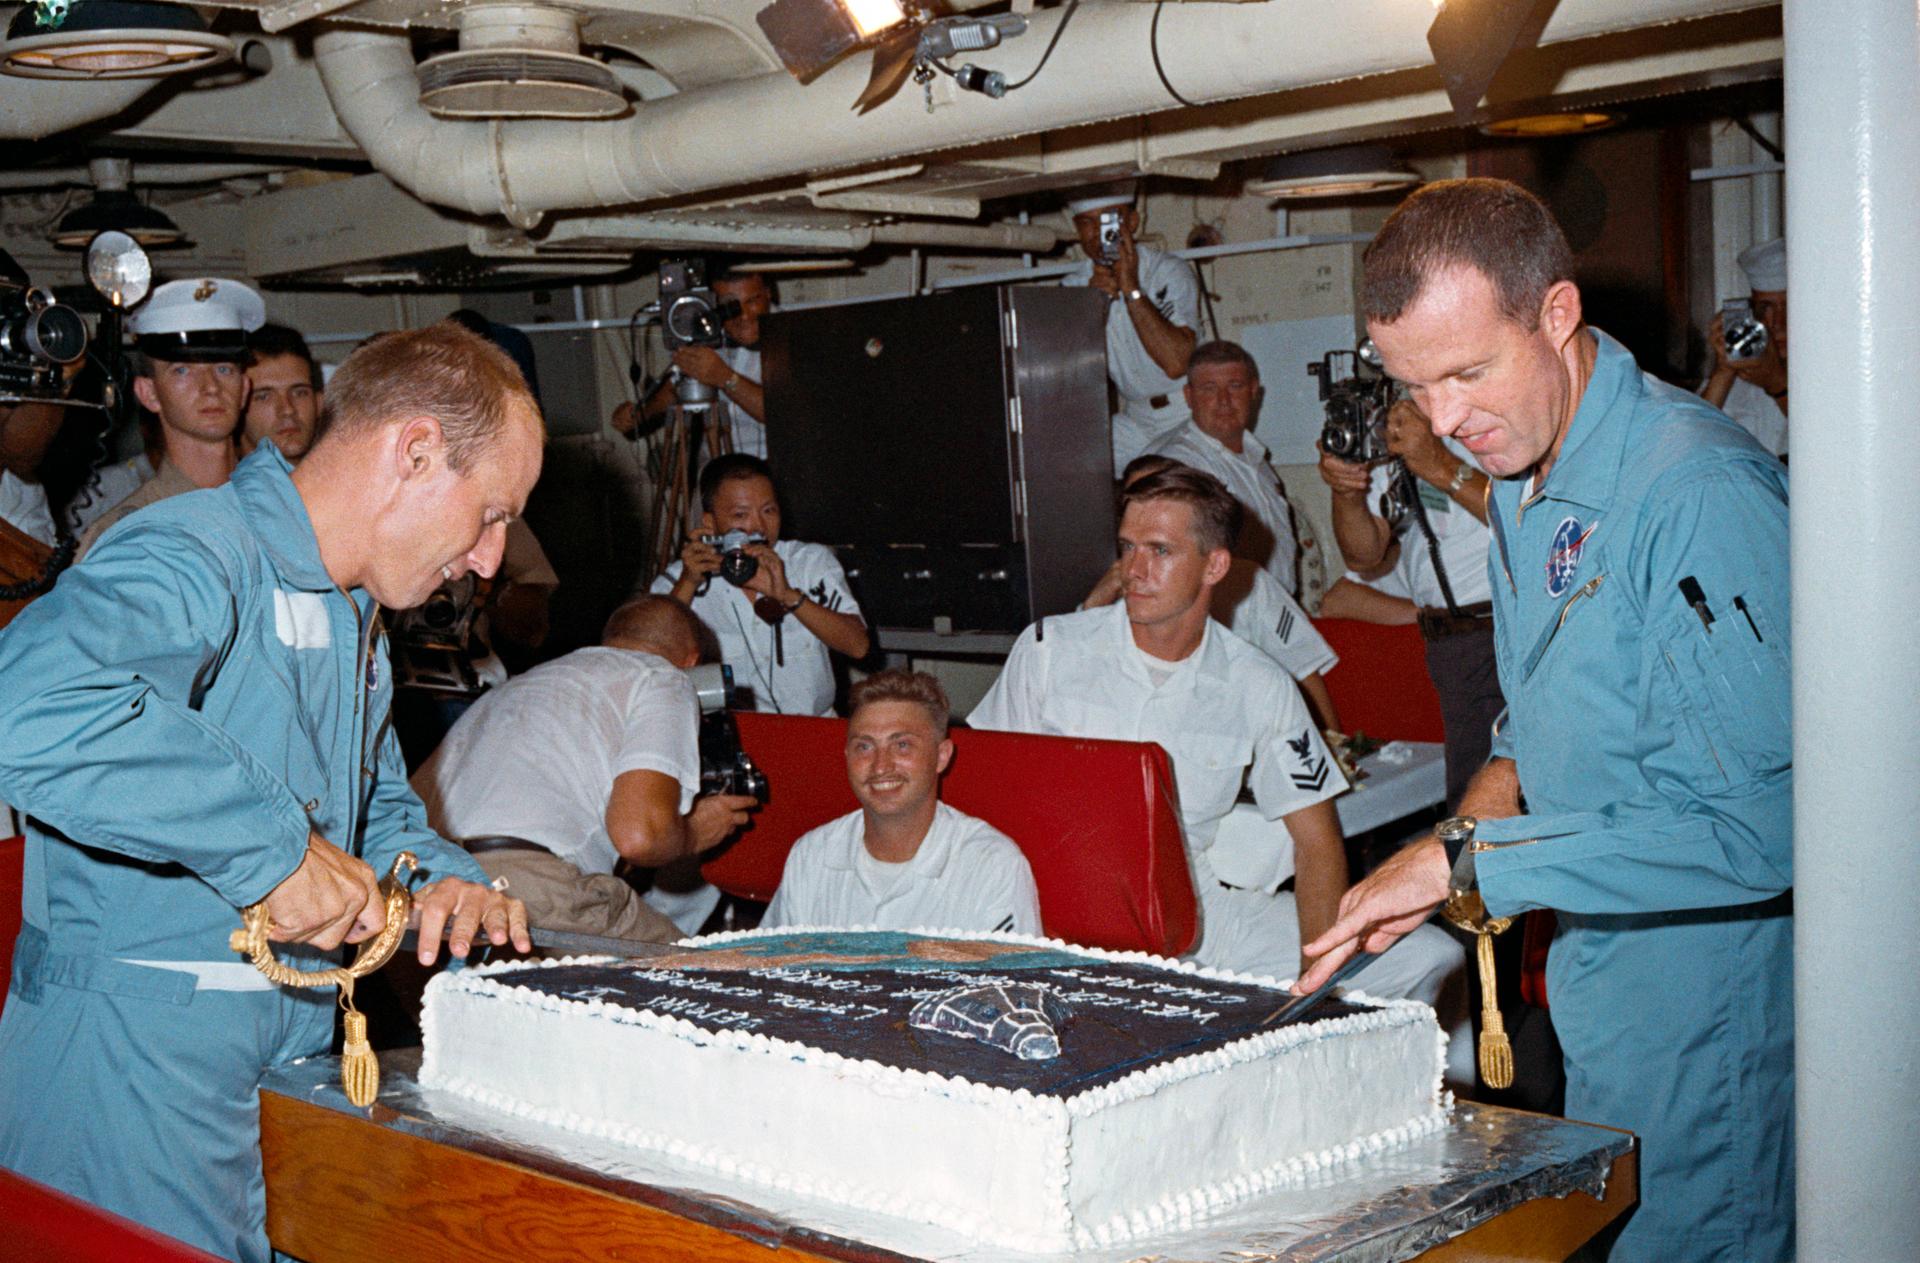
(786, 1058)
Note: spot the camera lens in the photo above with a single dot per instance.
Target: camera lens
(57, 333)
(737, 566)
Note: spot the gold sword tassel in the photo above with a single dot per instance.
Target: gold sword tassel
(359, 1067)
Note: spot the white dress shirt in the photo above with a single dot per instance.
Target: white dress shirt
(795, 677)
(967, 875)
(536, 757)
(1171, 286)
(1220, 711)
(1252, 605)
(1463, 542)
(1269, 540)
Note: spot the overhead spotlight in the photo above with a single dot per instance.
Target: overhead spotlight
(109, 39)
(1348, 171)
(811, 35)
(1470, 43)
(114, 208)
(1547, 126)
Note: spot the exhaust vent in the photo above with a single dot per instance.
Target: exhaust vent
(518, 61)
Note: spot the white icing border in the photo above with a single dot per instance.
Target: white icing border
(1172, 1210)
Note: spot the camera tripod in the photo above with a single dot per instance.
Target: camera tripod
(673, 454)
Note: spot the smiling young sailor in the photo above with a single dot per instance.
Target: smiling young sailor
(1639, 578)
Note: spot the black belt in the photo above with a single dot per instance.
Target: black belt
(482, 845)
(1438, 624)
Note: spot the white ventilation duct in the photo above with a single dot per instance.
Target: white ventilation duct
(49, 107)
(771, 127)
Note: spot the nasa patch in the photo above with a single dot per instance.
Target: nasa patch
(1563, 558)
(373, 669)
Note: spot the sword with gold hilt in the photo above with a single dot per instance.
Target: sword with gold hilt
(1466, 909)
(359, 1068)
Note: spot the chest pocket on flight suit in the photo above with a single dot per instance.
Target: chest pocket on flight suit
(1207, 769)
(1736, 687)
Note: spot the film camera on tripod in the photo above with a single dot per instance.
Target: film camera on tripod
(1356, 397)
(691, 314)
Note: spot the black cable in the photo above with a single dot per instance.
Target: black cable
(62, 558)
(1410, 488)
(1746, 125)
(1206, 300)
(1153, 44)
(1073, 7)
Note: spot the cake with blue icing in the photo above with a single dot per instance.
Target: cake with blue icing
(1016, 1090)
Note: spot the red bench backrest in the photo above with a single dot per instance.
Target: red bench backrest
(13, 858)
(1381, 686)
(1095, 819)
(44, 1225)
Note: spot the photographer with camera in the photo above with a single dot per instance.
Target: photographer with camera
(777, 606)
(731, 370)
(904, 860)
(1151, 321)
(555, 777)
(191, 375)
(1379, 506)
(1748, 341)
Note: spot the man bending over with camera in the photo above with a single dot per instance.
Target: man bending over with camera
(905, 860)
(553, 778)
(777, 606)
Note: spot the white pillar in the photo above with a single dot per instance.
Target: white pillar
(1853, 204)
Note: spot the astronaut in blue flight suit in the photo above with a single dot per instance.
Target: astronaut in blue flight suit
(196, 721)
(1641, 782)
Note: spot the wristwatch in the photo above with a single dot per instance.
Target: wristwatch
(1134, 295)
(800, 599)
(733, 379)
(1460, 476)
(1456, 837)
(1464, 906)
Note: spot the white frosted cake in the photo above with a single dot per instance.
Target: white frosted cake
(1130, 1095)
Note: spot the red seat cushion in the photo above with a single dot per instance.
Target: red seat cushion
(13, 855)
(1381, 685)
(1095, 819)
(44, 1225)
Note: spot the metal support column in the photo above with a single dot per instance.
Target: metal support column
(1853, 145)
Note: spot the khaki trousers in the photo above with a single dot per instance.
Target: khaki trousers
(561, 897)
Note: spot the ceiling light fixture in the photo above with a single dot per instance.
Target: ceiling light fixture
(811, 35)
(114, 208)
(1547, 126)
(1348, 171)
(109, 39)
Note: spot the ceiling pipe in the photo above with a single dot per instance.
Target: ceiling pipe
(147, 175)
(47, 107)
(693, 141)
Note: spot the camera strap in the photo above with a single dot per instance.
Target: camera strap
(1410, 490)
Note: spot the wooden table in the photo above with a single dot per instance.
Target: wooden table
(398, 1184)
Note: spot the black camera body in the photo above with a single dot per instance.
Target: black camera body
(690, 313)
(737, 565)
(38, 336)
(1741, 331)
(1110, 236)
(1356, 408)
(725, 768)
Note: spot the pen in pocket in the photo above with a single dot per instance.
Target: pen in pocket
(1740, 603)
(1690, 593)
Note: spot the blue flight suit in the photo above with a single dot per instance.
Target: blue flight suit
(179, 710)
(1655, 758)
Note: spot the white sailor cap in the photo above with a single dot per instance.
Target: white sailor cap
(205, 318)
(1102, 197)
(1766, 265)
